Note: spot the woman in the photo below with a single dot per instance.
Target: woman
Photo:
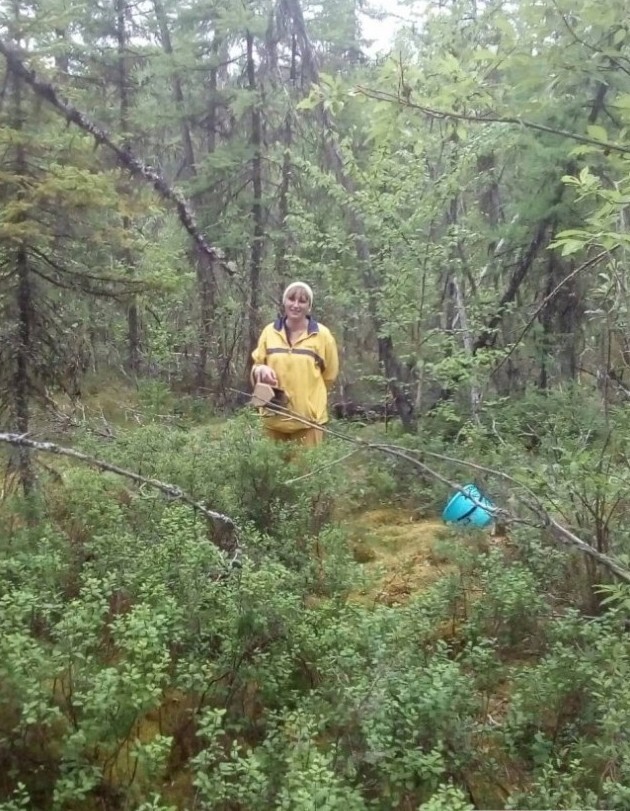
(299, 356)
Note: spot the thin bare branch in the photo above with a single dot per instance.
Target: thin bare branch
(84, 288)
(592, 48)
(227, 531)
(84, 274)
(318, 470)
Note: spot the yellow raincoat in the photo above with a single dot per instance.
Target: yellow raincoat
(305, 372)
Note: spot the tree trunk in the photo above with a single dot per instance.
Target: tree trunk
(255, 267)
(488, 336)
(133, 320)
(459, 320)
(189, 167)
(206, 270)
(391, 366)
(546, 322)
(467, 339)
(206, 283)
(285, 179)
(22, 365)
(24, 301)
(206, 280)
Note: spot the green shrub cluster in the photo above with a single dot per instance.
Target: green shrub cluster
(135, 675)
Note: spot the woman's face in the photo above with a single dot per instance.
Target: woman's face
(297, 304)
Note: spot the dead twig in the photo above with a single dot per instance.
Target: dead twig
(584, 266)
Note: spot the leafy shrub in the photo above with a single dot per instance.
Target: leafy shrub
(128, 662)
(512, 607)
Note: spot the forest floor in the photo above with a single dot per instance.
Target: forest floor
(397, 553)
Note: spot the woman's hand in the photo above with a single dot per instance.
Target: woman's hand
(265, 374)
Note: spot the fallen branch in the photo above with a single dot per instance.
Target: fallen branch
(124, 156)
(391, 450)
(563, 534)
(571, 539)
(225, 530)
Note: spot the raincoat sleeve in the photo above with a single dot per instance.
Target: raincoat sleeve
(331, 361)
(259, 355)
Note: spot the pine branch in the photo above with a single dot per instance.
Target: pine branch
(225, 528)
(124, 156)
(134, 285)
(81, 286)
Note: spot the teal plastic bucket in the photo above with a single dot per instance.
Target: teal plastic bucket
(463, 511)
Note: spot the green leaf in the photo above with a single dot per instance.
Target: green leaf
(570, 246)
(597, 132)
(308, 103)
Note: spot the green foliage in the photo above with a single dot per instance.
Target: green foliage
(127, 663)
(133, 674)
(553, 788)
(512, 608)
(447, 798)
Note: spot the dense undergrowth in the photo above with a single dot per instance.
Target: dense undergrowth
(134, 675)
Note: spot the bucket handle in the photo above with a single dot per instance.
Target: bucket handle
(467, 514)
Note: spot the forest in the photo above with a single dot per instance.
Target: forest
(193, 618)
